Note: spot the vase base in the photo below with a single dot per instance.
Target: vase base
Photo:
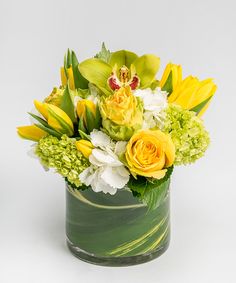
(116, 261)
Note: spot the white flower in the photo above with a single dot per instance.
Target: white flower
(100, 139)
(106, 173)
(154, 102)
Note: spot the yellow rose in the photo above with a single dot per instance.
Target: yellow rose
(122, 114)
(148, 153)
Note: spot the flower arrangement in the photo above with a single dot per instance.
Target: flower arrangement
(113, 125)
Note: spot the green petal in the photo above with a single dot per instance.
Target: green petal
(146, 67)
(122, 57)
(96, 71)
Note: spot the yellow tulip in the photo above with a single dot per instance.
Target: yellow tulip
(55, 117)
(82, 105)
(68, 75)
(85, 147)
(193, 94)
(149, 153)
(31, 132)
(176, 71)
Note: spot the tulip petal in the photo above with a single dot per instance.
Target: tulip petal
(31, 132)
(59, 120)
(45, 127)
(42, 108)
(146, 67)
(63, 76)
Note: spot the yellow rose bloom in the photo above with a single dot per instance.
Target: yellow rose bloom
(120, 107)
(149, 153)
(122, 114)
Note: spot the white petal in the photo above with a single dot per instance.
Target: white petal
(87, 176)
(120, 147)
(100, 139)
(113, 178)
(100, 157)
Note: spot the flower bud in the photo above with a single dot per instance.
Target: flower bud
(85, 147)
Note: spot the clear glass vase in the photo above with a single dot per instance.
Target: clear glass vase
(115, 230)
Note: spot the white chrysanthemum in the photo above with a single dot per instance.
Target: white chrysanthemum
(106, 173)
(154, 102)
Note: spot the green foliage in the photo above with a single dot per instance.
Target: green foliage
(168, 86)
(44, 126)
(80, 81)
(67, 104)
(201, 105)
(151, 191)
(104, 54)
(70, 59)
(187, 133)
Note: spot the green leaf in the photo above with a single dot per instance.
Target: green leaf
(67, 105)
(97, 72)
(49, 130)
(104, 54)
(154, 197)
(150, 191)
(68, 58)
(90, 120)
(84, 93)
(65, 128)
(201, 105)
(81, 126)
(122, 57)
(44, 123)
(154, 84)
(146, 67)
(80, 81)
(84, 135)
(98, 119)
(168, 86)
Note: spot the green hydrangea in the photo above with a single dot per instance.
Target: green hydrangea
(188, 134)
(62, 155)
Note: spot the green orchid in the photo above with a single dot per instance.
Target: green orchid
(124, 68)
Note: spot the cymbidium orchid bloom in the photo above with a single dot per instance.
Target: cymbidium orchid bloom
(124, 68)
(123, 78)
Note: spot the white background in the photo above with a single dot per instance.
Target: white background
(34, 36)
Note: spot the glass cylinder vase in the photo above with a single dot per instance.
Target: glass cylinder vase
(115, 230)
